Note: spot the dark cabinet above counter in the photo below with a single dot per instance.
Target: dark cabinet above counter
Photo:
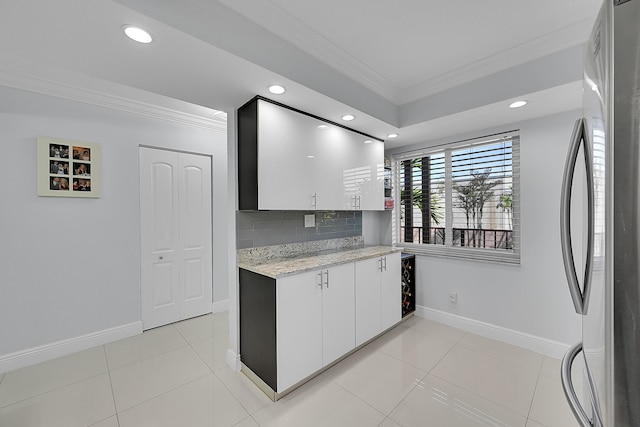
(291, 160)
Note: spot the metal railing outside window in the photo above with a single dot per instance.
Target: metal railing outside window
(461, 195)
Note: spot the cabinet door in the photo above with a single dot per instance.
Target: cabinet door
(367, 299)
(299, 327)
(336, 150)
(369, 176)
(338, 312)
(286, 162)
(391, 290)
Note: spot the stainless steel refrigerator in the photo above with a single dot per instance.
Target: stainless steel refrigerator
(605, 283)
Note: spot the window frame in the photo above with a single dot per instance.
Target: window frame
(448, 250)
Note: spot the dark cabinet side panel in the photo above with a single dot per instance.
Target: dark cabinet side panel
(248, 156)
(258, 325)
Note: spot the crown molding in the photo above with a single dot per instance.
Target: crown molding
(58, 89)
(567, 37)
(278, 21)
(275, 19)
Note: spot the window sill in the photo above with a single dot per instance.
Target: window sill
(471, 254)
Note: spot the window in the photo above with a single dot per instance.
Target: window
(460, 199)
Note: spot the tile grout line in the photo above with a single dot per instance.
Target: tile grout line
(415, 384)
(188, 344)
(218, 378)
(532, 398)
(495, 356)
(158, 395)
(222, 382)
(237, 399)
(476, 394)
(53, 389)
(245, 419)
(113, 395)
(409, 364)
(484, 397)
(417, 367)
(360, 399)
(367, 403)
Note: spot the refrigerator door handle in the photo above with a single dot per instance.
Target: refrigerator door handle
(569, 390)
(579, 297)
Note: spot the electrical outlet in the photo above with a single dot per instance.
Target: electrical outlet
(453, 299)
(309, 221)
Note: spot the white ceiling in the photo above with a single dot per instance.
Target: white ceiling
(390, 63)
(405, 50)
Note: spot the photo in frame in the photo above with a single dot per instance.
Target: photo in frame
(67, 168)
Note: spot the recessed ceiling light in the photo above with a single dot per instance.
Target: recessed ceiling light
(392, 135)
(277, 89)
(310, 156)
(322, 126)
(518, 104)
(348, 117)
(368, 141)
(137, 34)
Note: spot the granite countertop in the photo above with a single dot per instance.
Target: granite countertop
(285, 266)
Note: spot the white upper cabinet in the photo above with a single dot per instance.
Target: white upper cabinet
(288, 160)
(367, 176)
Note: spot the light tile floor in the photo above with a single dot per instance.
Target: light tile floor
(421, 373)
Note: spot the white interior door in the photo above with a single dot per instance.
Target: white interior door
(175, 210)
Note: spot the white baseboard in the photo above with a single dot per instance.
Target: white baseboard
(20, 359)
(233, 360)
(221, 306)
(521, 339)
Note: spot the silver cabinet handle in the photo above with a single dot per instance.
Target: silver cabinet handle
(578, 137)
(569, 390)
(320, 284)
(385, 263)
(327, 281)
(314, 199)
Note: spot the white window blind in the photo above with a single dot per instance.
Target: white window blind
(422, 199)
(461, 199)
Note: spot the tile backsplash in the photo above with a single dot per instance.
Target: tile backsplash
(267, 228)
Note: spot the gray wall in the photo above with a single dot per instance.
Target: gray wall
(267, 228)
(71, 267)
(531, 297)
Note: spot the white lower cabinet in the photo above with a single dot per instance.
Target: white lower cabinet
(378, 295)
(299, 328)
(367, 299)
(390, 291)
(314, 321)
(338, 314)
(293, 326)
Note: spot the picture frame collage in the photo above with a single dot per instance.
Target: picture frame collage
(68, 168)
